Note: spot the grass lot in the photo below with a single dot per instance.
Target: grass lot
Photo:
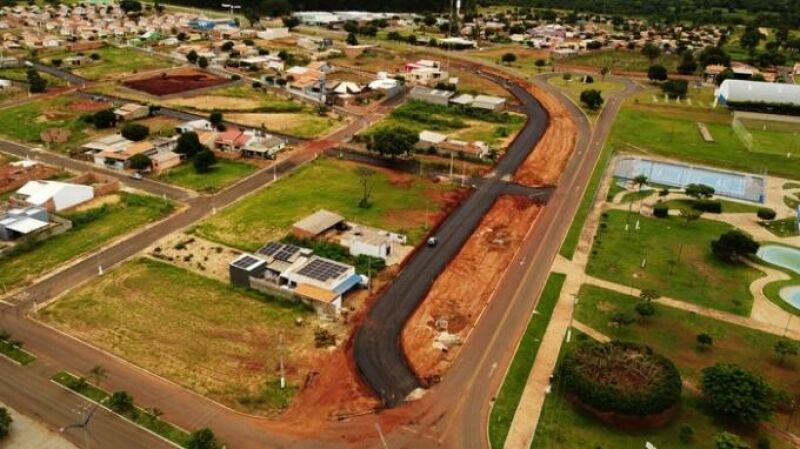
(526, 58)
(42, 114)
(679, 263)
(114, 62)
(776, 138)
(672, 333)
(398, 204)
(574, 87)
(786, 227)
(632, 61)
(91, 229)
(672, 132)
(510, 393)
(138, 416)
(305, 125)
(225, 173)
(239, 98)
(20, 74)
(728, 207)
(636, 196)
(419, 116)
(199, 332)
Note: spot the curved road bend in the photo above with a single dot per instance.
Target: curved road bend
(377, 351)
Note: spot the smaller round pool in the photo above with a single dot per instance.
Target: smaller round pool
(791, 294)
(782, 256)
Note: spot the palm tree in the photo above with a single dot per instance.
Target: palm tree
(97, 374)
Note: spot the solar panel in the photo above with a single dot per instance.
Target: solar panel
(270, 249)
(322, 270)
(279, 251)
(245, 262)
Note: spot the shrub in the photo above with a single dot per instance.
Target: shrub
(104, 119)
(732, 245)
(596, 374)
(661, 210)
(203, 439)
(324, 338)
(766, 213)
(727, 440)
(686, 433)
(737, 393)
(714, 207)
(121, 402)
(140, 162)
(135, 132)
(204, 161)
(5, 422)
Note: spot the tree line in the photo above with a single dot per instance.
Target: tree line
(281, 7)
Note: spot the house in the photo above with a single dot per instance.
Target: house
(8, 62)
(317, 223)
(318, 18)
(429, 139)
(273, 33)
(732, 92)
(131, 111)
(434, 96)
(76, 60)
(488, 102)
(457, 43)
(194, 126)
(389, 86)
(441, 143)
(368, 241)
(264, 147)
(20, 222)
(424, 72)
(462, 100)
(54, 196)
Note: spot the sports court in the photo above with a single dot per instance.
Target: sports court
(742, 186)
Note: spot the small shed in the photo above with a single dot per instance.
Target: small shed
(317, 223)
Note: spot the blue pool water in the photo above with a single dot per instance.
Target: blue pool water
(791, 295)
(786, 257)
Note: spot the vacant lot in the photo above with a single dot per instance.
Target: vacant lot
(91, 229)
(398, 203)
(625, 60)
(42, 114)
(174, 81)
(114, 62)
(304, 125)
(225, 173)
(574, 87)
(672, 132)
(238, 98)
(463, 290)
(199, 332)
(677, 261)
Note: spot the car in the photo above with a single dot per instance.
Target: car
(432, 241)
(136, 176)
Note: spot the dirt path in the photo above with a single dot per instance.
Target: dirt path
(590, 331)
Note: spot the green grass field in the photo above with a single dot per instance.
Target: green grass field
(677, 258)
(131, 213)
(398, 204)
(574, 87)
(40, 115)
(113, 62)
(774, 138)
(672, 333)
(510, 393)
(728, 207)
(20, 74)
(199, 332)
(627, 60)
(225, 173)
(671, 131)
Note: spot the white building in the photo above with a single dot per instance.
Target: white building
(741, 91)
(53, 195)
(273, 33)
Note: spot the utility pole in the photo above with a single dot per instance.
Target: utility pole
(280, 351)
(451, 165)
(231, 6)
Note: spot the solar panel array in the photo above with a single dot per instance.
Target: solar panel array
(279, 251)
(322, 270)
(245, 262)
(270, 249)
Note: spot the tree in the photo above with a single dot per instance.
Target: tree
(227, 46)
(130, 6)
(5, 422)
(704, 340)
(365, 179)
(98, 373)
(202, 62)
(732, 245)
(121, 402)
(215, 118)
(592, 99)
(393, 141)
(675, 88)
(766, 213)
(714, 56)
(657, 73)
(140, 162)
(690, 215)
(727, 440)
(783, 348)
(508, 58)
(688, 64)
(640, 181)
(567, 77)
(104, 119)
(736, 393)
(290, 22)
(540, 63)
(649, 295)
(618, 320)
(645, 309)
(650, 51)
(135, 132)
(189, 145)
(36, 83)
(204, 161)
(603, 72)
(351, 39)
(686, 434)
(192, 56)
(699, 191)
(203, 439)
(750, 38)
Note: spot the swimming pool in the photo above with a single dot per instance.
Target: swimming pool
(782, 256)
(731, 184)
(791, 294)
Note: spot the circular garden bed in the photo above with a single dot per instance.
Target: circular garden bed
(624, 384)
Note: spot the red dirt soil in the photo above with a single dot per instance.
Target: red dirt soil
(174, 81)
(551, 154)
(88, 105)
(464, 289)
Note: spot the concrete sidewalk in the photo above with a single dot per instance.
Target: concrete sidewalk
(26, 433)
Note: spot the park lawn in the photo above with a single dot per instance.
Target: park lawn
(728, 207)
(670, 332)
(130, 213)
(626, 60)
(116, 62)
(574, 87)
(510, 393)
(223, 174)
(40, 115)
(671, 131)
(398, 204)
(217, 340)
(678, 261)
(238, 98)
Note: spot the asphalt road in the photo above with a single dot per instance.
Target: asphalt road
(377, 351)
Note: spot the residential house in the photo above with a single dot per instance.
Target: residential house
(131, 111)
(428, 95)
(424, 72)
(54, 196)
(20, 222)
